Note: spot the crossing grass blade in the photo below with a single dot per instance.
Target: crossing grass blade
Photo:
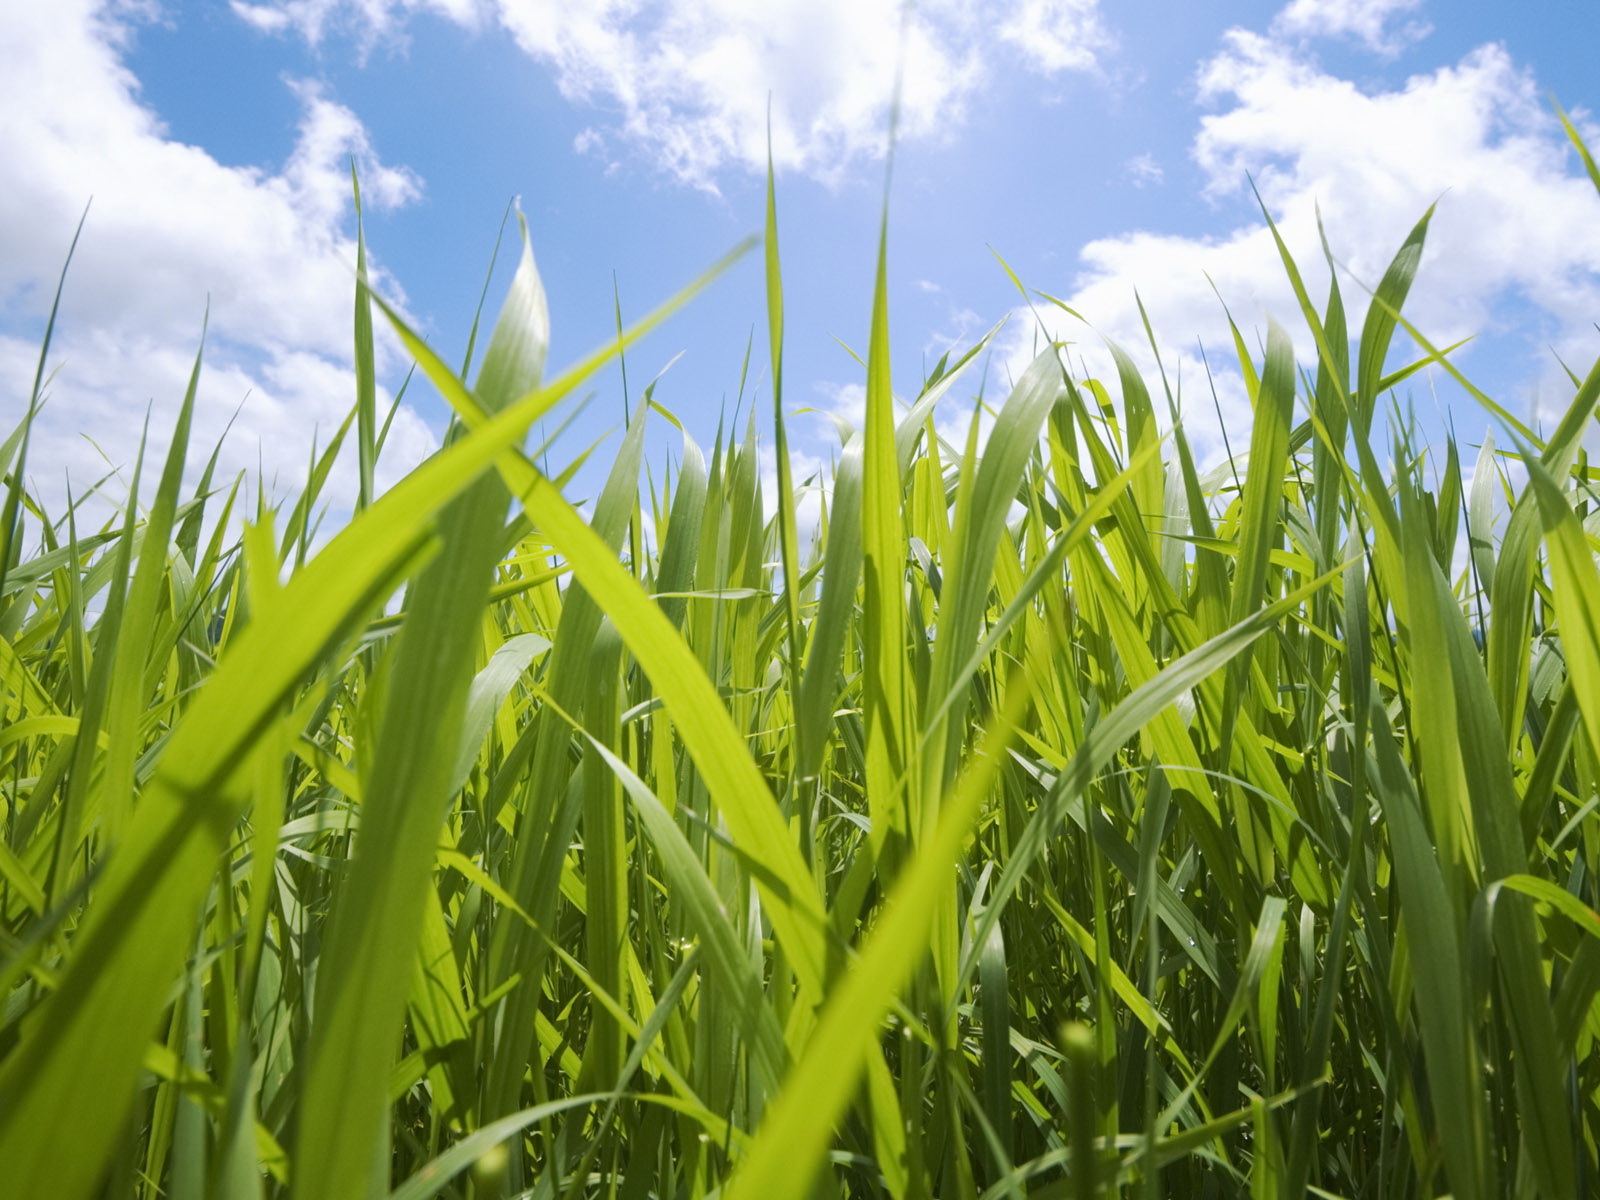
(69, 1082)
(680, 681)
(791, 1143)
(378, 909)
(719, 938)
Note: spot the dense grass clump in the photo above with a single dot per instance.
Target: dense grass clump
(1059, 820)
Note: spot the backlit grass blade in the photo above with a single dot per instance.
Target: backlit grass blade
(831, 625)
(366, 370)
(1043, 573)
(1577, 141)
(1480, 516)
(914, 423)
(1513, 590)
(680, 546)
(886, 700)
(1378, 329)
(1433, 708)
(374, 924)
(489, 690)
(15, 460)
(76, 1069)
(969, 561)
(788, 533)
(91, 687)
(1258, 523)
(125, 705)
(680, 681)
(1575, 593)
(1583, 918)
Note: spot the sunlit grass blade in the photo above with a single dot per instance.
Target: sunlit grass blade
(788, 532)
(680, 681)
(77, 1068)
(886, 700)
(374, 925)
(366, 370)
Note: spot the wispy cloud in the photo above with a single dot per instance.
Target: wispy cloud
(1143, 171)
(370, 20)
(1383, 26)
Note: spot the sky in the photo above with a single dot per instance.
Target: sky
(1104, 151)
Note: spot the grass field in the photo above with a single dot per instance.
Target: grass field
(1058, 819)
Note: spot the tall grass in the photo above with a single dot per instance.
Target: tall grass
(1061, 821)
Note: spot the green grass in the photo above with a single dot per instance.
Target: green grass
(1059, 821)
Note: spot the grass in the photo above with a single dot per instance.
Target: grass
(1062, 821)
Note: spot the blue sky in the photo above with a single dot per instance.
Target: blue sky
(1098, 148)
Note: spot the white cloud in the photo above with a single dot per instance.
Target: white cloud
(1057, 35)
(688, 81)
(1369, 21)
(844, 409)
(316, 172)
(369, 18)
(1514, 214)
(278, 408)
(1516, 222)
(169, 228)
(812, 478)
(1144, 171)
(962, 327)
(845, 402)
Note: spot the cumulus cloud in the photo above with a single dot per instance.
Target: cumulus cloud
(690, 81)
(170, 228)
(687, 82)
(1379, 24)
(1514, 212)
(1517, 221)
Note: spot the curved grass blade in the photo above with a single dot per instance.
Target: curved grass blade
(65, 1087)
(680, 681)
